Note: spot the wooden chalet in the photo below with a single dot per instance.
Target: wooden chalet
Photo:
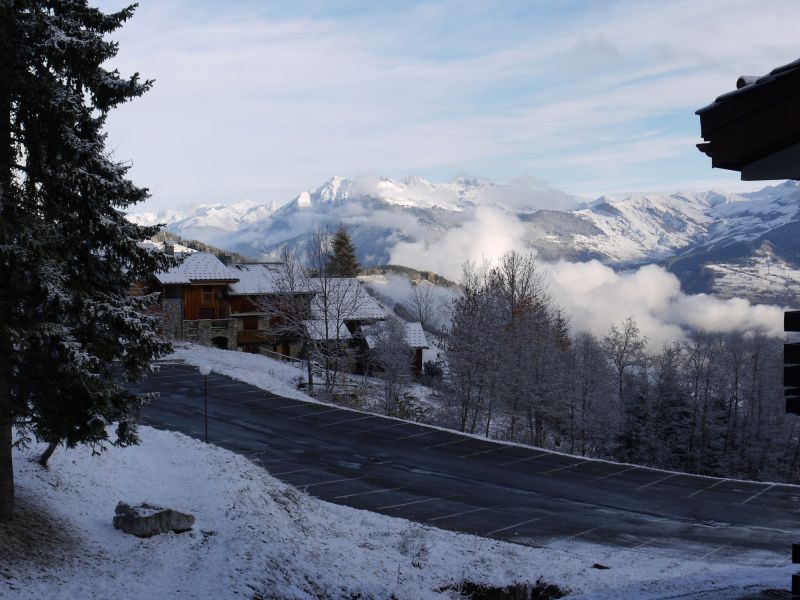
(209, 302)
(194, 300)
(250, 297)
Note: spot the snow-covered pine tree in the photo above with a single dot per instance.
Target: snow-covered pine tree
(67, 254)
(343, 261)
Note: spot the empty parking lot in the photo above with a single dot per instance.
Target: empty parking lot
(462, 483)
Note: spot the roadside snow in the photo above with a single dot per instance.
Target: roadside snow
(256, 537)
(268, 374)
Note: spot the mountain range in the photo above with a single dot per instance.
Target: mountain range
(723, 243)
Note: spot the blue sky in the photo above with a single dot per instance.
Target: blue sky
(260, 100)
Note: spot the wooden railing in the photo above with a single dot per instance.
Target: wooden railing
(297, 362)
(213, 323)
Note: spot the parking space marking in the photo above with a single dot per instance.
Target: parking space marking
(188, 376)
(463, 512)
(274, 408)
(642, 545)
(450, 443)
(394, 489)
(614, 474)
(290, 472)
(495, 449)
(311, 414)
(175, 383)
(519, 460)
(347, 421)
(520, 524)
(564, 468)
(308, 485)
(647, 485)
(226, 385)
(572, 537)
(705, 489)
(423, 501)
(413, 435)
(386, 426)
(757, 494)
(707, 554)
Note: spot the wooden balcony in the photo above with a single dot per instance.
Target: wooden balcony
(196, 324)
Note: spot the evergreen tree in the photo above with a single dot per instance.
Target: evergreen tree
(343, 261)
(68, 331)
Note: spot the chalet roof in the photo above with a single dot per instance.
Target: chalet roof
(317, 330)
(415, 335)
(200, 266)
(255, 279)
(755, 129)
(347, 300)
(749, 84)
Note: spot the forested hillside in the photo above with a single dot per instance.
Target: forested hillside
(709, 404)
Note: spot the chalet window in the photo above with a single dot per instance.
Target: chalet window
(173, 292)
(207, 313)
(250, 323)
(207, 294)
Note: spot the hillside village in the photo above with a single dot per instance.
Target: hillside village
(246, 307)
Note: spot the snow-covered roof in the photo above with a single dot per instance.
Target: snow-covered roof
(747, 84)
(415, 335)
(255, 279)
(317, 330)
(412, 332)
(347, 300)
(201, 266)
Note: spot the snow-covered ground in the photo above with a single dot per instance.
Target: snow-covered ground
(282, 377)
(763, 277)
(278, 377)
(256, 537)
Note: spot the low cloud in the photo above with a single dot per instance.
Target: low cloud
(594, 295)
(486, 237)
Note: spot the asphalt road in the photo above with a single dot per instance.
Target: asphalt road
(518, 494)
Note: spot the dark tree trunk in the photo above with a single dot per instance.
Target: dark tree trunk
(45, 457)
(6, 156)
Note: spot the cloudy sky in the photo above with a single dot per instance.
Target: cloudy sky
(259, 100)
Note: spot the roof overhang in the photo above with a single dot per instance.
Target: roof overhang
(756, 129)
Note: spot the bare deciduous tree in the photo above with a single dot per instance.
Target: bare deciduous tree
(310, 304)
(394, 358)
(422, 303)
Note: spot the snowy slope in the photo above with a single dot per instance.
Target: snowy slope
(418, 193)
(651, 227)
(206, 220)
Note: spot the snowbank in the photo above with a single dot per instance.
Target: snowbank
(272, 375)
(256, 537)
